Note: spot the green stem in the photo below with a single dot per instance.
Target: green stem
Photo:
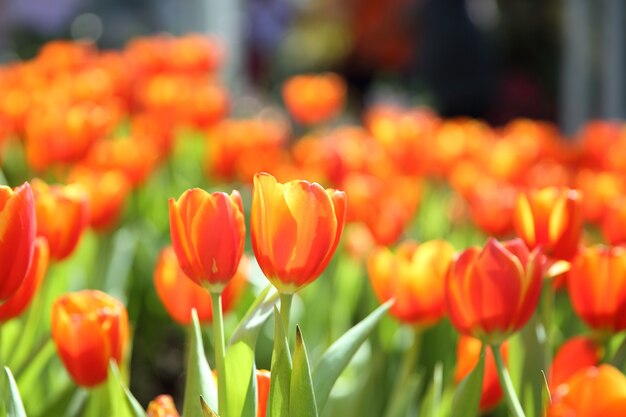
(409, 362)
(285, 311)
(547, 318)
(620, 355)
(98, 404)
(220, 349)
(507, 385)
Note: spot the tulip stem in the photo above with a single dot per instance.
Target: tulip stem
(285, 311)
(507, 385)
(409, 361)
(220, 349)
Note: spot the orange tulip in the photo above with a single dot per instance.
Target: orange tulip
(493, 291)
(17, 303)
(17, 236)
(63, 232)
(313, 99)
(550, 218)
(599, 189)
(492, 208)
(415, 277)
(89, 328)
(106, 191)
(162, 406)
(208, 234)
(614, 224)
(263, 391)
(597, 287)
(296, 228)
(467, 356)
(577, 353)
(590, 392)
(180, 295)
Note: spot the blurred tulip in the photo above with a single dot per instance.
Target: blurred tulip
(208, 234)
(614, 224)
(63, 232)
(296, 228)
(590, 392)
(162, 406)
(313, 99)
(20, 300)
(414, 277)
(550, 218)
(599, 189)
(89, 329)
(263, 391)
(577, 353)
(180, 295)
(467, 356)
(492, 209)
(17, 236)
(597, 287)
(493, 291)
(106, 191)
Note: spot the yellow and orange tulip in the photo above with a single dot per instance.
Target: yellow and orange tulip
(162, 406)
(313, 99)
(577, 353)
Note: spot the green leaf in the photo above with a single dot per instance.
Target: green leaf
(118, 389)
(338, 355)
(301, 395)
(206, 410)
(278, 399)
(467, 396)
(199, 380)
(239, 361)
(431, 404)
(15, 407)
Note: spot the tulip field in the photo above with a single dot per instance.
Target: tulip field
(170, 249)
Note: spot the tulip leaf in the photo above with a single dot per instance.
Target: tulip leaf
(467, 396)
(239, 361)
(120, 395)
(301, 395)
(278, 399)
(199, 380)
(15, 407)
(431, 404)
(338, 355)
(206, 410)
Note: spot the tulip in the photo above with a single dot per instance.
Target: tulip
(263, 391)
(577, 353)
(162, 406)
(63, 232)
(208, 233)
(613, 225)
(89, 329)
(17, 236)
(180, 295)
(313, 99)
(590, 392)
(597, 287)
(467, 356)
(17, 303)
(550, 218)
(296, 228)
(415, 277)
(493, 291)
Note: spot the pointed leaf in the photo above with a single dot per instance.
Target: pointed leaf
(15, 407)
(301, 396)
(115, 384)
(199, 380)
(338, 355)
(467, 396)
(206, 410)
(431, 404)
(278, 399)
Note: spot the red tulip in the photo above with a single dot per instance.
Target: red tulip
(577, 353)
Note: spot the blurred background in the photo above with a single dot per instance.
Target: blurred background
(561, 61)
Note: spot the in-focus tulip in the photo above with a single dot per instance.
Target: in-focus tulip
(17, 303)
(162, 406)
(313, 99)
(550, 218)
(577, 353)
(17, 236)
(467, 356)
(493, 291)
(590, 392)
(208, 234)
(597, 287)
(180, 295)
(296, 228)
(415, 277)
(63, 232)
(89, 329)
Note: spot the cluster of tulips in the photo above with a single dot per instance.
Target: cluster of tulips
(503, 242)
